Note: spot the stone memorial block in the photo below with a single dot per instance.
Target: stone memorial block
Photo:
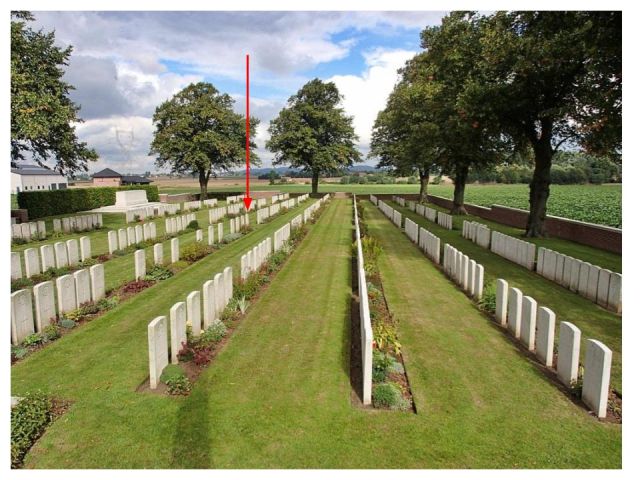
(211, 239)
(140, 264)
(158, 349)
(31, 262)
(218, 295)
(514, 309)
(614, 301)
(220, 231)
(33, 230)
(45, 304)
(478, 281)
(158, 254)
(592, 282)
(25, 231)
(72, 252)
(583, 282)
(138, 233)
(66, 225)
(96, 274)
(57, 225)
(529, 317)
(85, 248)
(48, 257)
(471, 277)
(146, 235)
(559, 273)
(194, 315)
(502, 289)
(83, 286)
(545, 335)
(42, 229)
(15, 229)
(604, 278)
(244, 268)
(123, 241)
(568, 353)
(597, 373)
(153, 233)
(208, 304)
(199, 235)
(175, 250)
(62, 259)
(21, 316)
(66, 292)
(178, 325)
(464, 272)
(112, 238)
(540, 261)
(549, 267)
(167, 226)
(576, 265)
(227, 274)
(131, 235)
(16, 266)
(566, 272)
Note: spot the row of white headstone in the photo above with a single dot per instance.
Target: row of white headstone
(429, 213)
(535, 327)
(477, 232)
(80, 222)
(261, 202)
(513, 249)
(443, 219)
(178, 223)
(29, 230)
(216, 214)
(58, 255)
(193, 205)
(411, 229)
(149, 211)
(210, 202)
(430, 244)
(43, 304)
(235, 224)
(301, 198)
(366, 331)
(597, 284)
(399, 200)
(281, 236)
(251, 261)
(201, 310)
(311, 209)
(279, 198)
(467, 273)
(126, 237)
(234, 199)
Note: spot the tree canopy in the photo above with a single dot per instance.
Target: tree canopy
(313, 132)
(197, 131)
(42, 114)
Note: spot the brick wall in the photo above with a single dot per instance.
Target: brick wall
(598, 236)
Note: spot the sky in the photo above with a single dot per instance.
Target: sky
(124, 64)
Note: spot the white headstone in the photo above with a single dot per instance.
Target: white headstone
(83, 286)
(575, 275)
(85, 248)
(218, 295)
(112, 238)
(529, 316)
(72, 252)
(123, 242)
(208, 304)
(211, 235)
(614, 302)
(62, 259)
(597, 373)
(194, 316)
(502, 292)
(45, 304)
(175, 250)
(21, 316)
(514, 316)
(592, 285)
(220, 231)
(57, 225)
(199, 235)
(138, 233)
(568, 353)
(545, 335)
(16, 266)
(583, 283)
(140, 264)
(478, 281)
(158, 254)
(131, 236)
(31, 262)
(603, 287)
(228, 284)
(96, 273)
(66, 292)
(48, 257)
(178, 324)
(158, 349)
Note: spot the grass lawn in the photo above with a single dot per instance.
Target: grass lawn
(594, 321)
(278, 395)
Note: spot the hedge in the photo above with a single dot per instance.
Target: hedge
(46, 203)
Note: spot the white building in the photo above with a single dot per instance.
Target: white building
(27, 178)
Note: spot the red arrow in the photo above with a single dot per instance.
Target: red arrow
(247, 197)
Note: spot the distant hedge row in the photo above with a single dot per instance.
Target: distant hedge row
(45, 203)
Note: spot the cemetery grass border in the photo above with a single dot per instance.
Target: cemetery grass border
(192, 370)
(126, 290)
(614, 403)
(593, 320)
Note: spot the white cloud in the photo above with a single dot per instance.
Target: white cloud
(366, 94)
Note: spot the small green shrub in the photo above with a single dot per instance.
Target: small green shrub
(18, 352)
(231, 237)
(488, 300)
(67, 323)
(381, 364)
(169, 371)
(213, 334)
(31, 340)
(89, 262)
(107, 303)
(29, 418)
(50, 333)
(195, 251)
(159, 272)
(20, 283)
(243, 304)
(193, 225)
(389, 395)
(178, 385)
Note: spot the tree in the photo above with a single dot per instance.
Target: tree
(449, 63)
(313, 132)
(405, 135)
(197, 131)
(548, 79)
(42, 114)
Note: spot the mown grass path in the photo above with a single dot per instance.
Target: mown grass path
(594, 321)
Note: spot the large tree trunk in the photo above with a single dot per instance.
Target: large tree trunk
(424, 181)
(459, 182)
(539, 186)
(203, 178)
(314, 181)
